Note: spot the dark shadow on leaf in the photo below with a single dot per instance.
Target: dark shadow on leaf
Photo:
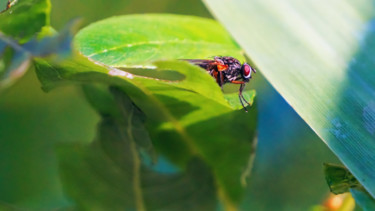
(176, 107)
(94, 181)
(109, 173)
(225, 143)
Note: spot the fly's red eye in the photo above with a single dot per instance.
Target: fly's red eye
(246, 70)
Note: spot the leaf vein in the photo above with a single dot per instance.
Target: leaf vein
(182, 42)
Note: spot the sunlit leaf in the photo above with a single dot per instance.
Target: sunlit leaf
(136, 40)
(319, 56)
(233, 98)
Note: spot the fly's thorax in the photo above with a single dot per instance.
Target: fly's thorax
(234, 68)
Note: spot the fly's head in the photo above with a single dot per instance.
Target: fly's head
(246, 71)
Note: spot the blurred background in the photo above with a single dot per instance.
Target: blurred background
(288, 170)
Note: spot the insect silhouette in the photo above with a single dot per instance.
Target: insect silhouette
(8, 6)
(227, 70)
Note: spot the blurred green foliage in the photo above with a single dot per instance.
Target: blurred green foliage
(92, 11)
(33, 123)
(184, 113)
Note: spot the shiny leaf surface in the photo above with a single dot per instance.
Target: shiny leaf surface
(319, 57)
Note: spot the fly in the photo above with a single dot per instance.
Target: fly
(9, 5)
(227, 70)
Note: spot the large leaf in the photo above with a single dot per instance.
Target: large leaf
(109, 173)
(25, 18)
(363, 199)
(135, 40)
(181, 118)
(95, 182)
(319, 56)
(187, 112)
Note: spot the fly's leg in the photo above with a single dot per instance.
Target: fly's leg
(242, 99)
(221, 80)
(241, 89)
(239, 96)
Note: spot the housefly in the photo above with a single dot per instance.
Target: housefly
(8, 6)
(227, 70)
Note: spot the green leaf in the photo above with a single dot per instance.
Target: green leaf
(116, 110)
(109, 174)
(7, 207)
(186, 110)
(94, 181)
(160, 104)
(233, 100)
(137, 40)
(17, 58)
(25, 18)
(340, 180)
(319, 57)
(179, 116)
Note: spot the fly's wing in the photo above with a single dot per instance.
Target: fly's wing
(209, 65)
(204, 63)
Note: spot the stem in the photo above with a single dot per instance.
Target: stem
(247, 172)
(138, 196)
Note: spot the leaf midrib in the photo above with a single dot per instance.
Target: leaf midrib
(166, 42)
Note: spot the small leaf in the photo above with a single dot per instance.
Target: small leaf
(339, 179)
(21, 55)
(25, 18)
